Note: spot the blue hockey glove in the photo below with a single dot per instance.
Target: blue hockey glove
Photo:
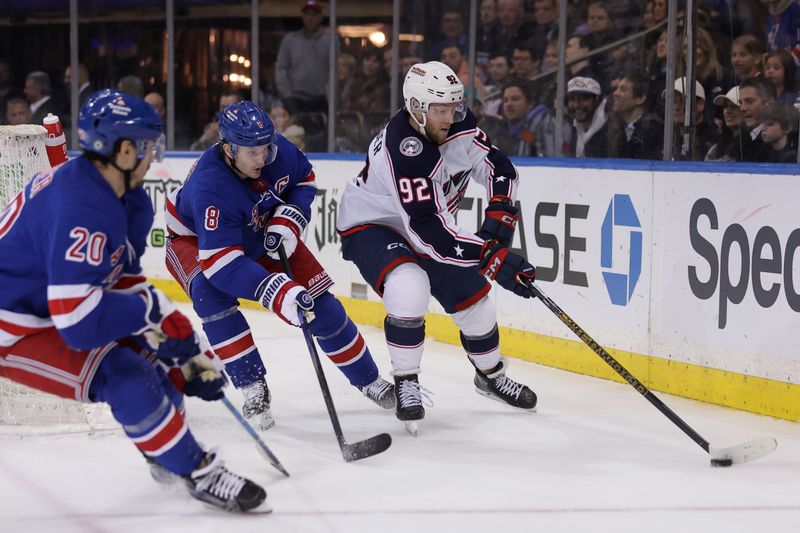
(286, 226)
(199, 377)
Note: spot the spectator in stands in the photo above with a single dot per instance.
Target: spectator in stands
(781, 26)
(454, 57)
(7, 89)
(525, 61)
(600, 30)
(549, 64)
(346, 67)
(779, 131)
(531, 125)
(452, 30)
(641, 133)
(577, 47)
(84, 86)
(655, 68)
(648, 17)
(754, 95)
(487, 26)
(747, 57)
(301, 70)
(705, 135)
(38, 90)
(499, 74)
(284, 124)
(545, 13)
(779, 69)
(157, 101)
(729, 147)
(371, 87)
(211, 130)
(586, 106)
(132, 85)
(659, 10)
(18, 112)
(511, 28)
(714, 78)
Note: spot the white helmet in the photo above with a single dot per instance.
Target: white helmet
(432, 83)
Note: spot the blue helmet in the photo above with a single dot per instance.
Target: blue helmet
(246, 124)
(108, 116)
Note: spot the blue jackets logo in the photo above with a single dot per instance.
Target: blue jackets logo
(621, 279)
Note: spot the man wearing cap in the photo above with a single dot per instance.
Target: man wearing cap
(640, 134)
(754, 95)
(302, 67)
(704, 135)
(586, 106)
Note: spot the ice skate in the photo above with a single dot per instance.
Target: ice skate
(217, 486)
(256, 404)
(497, 386)
(408, 397)
(381, 392)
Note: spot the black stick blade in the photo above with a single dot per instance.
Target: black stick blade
(366, 448)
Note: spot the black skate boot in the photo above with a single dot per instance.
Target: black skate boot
(497, 386)
(408, 397)
(256, 404)
(215, 485)
(381, 392)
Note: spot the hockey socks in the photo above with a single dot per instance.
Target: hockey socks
(230, 338)
(405, 338)
(484, 350)
(342, 343)
(133, 388)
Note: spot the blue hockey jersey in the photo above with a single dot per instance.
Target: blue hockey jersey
(229, 214)
(69, 247)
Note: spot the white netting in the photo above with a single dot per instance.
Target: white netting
(23, 154)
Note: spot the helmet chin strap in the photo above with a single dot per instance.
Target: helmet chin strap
(231, 160)
(126, 174)
(420, 125)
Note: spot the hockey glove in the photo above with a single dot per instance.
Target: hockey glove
(286, 226)
(169, 331)
(199, 377)
(284, 297)
(500, 221)
(510, 270)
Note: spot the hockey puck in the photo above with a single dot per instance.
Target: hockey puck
(723, 461)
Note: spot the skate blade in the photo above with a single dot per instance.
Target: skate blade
(411, 427)
(499, 400)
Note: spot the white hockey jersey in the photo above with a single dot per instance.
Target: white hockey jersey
(414, 187)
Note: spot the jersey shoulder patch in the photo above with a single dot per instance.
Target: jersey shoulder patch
(411, 153)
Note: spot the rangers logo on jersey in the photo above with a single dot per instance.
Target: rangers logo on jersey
(410, 146)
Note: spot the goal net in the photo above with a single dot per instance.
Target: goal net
(24, 410)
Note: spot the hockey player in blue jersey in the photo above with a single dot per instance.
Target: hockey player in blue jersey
(396, 219)
(245, 196)
(76, 312)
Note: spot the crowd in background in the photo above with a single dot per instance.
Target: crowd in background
(746, 58)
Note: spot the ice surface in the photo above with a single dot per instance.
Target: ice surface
(596, 457)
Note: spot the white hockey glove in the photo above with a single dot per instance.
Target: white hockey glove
(286, 226)
(284, 297)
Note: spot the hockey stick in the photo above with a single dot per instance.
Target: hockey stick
(741, 453)
(262, 446)
(353, 451)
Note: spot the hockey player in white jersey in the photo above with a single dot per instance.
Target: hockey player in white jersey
(397, 225)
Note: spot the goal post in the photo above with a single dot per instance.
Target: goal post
(23, 153)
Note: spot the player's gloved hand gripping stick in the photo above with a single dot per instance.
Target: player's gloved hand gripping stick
(199, 372)
(740, 453)
(350, 451)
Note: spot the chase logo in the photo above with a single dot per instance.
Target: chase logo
(621, 278)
